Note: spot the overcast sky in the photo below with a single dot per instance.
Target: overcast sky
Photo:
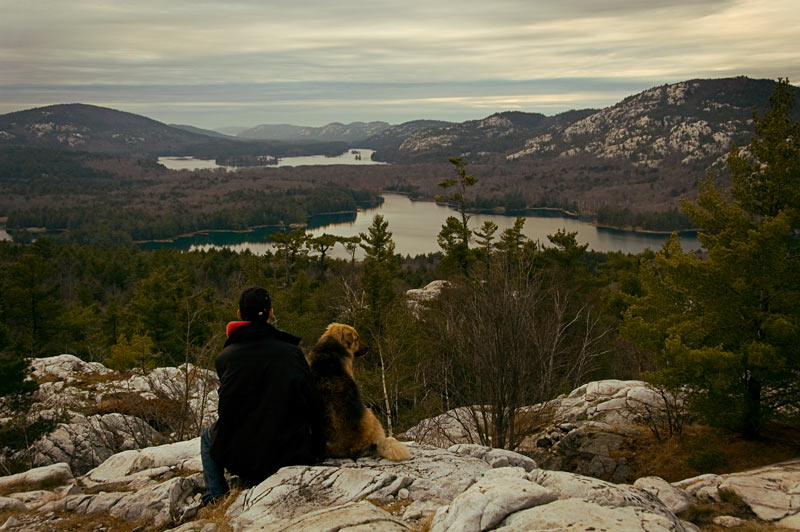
(311, 62)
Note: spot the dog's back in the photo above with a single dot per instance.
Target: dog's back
(344, 409)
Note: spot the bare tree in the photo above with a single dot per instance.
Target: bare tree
(509, 342)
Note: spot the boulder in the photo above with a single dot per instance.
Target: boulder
(579, 514)
(51, 475)
(498, 494)
(676, 499)
(583, 428)
(67, 368)
(9, 503)
(432, 478)
(162, 503)
(772, 492)
(88, 441)
(151, 461)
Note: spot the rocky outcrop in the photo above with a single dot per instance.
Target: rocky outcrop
(101, 412)
(581, 431)
(464, 488)
(772, 493)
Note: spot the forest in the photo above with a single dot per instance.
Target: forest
(515, 323)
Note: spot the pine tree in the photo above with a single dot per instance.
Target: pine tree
(728, 326)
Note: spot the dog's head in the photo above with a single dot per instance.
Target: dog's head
(348, 337)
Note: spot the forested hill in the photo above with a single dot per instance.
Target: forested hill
(99, 129)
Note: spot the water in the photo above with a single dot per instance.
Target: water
(348, 157)
(415, 224)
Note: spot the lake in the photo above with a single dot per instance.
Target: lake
(415, 224)
(348, 157)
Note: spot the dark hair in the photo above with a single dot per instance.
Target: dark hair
(254, 304)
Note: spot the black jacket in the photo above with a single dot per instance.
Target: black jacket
(270, 412)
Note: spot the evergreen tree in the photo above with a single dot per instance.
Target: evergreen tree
(728, 326)
(455, 235)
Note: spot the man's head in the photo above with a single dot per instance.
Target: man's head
(255, 304)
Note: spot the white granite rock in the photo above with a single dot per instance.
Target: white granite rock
(494, 457)
(38, 498)
(163, 503)
(433, 477)
(728, 521)
(52, 474)
(65, 368)
(579, 514)
(350, 517)
(499, 493)
(772, 492)
(676, 499)
(568, 485)
(8, 503)
(87, 443)
(151, 461)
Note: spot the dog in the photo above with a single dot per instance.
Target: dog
(351, 429)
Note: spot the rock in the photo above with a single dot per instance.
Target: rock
(494, 457)
(728, 521)
(585, 429)
(432, 478)
(568, 485)
(674, 498)
(704, 488)
(163, 503)
(351, 517)
(150, 461)
(87, 443)
(772, 493)
(38, 498)
(52, 475)
(417, 297)
(577, 514)
(498, 494)
(11, 522)
(8, 503)
(792, 522)
(66, 368)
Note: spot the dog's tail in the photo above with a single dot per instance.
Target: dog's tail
(393, 450)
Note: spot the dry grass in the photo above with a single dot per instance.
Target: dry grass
(70, 522)
(215, 513)
(704, 449)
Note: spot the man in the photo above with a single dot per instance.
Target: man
(270, 413)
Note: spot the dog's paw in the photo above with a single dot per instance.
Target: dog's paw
(393, 450)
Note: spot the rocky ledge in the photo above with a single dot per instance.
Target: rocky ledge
(460, 489)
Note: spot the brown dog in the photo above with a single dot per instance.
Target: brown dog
(351, 429)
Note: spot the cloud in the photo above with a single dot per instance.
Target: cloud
(256, 50)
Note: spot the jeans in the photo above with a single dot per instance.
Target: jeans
(213, 475)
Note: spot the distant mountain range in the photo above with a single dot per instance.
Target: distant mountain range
(96, 129)
(684, 125)
(353, 132)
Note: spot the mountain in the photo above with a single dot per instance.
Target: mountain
(353, 132)
(93, 129)
(201, 131)
(101, 130)
(432, 141)
(687, 124)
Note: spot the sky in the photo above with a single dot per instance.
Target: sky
(312, 62)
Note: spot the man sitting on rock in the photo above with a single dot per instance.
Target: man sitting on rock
(269, 413)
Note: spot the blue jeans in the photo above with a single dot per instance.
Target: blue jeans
(213, 475)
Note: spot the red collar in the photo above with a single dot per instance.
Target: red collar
(232, 326)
